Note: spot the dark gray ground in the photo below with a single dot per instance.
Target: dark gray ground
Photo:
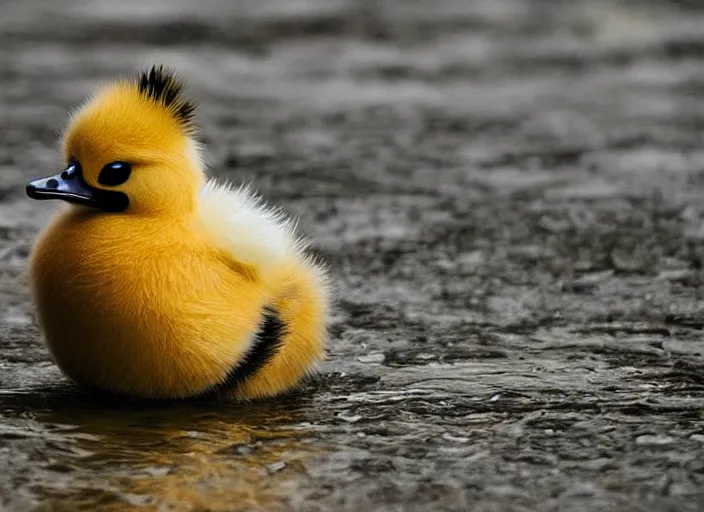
(509, 194)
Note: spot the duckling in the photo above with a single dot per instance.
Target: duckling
(155, 281)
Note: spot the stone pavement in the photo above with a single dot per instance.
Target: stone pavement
(510, 195)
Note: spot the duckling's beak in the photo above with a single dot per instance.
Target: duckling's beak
(70, 186)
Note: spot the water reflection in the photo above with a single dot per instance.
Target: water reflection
(93, 452)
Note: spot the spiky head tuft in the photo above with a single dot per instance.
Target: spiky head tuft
(161, 86)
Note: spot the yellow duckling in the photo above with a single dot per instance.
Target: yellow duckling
(157, 283)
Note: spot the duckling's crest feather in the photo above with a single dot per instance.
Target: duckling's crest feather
(161, 86)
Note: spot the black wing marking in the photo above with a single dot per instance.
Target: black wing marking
(267, 343)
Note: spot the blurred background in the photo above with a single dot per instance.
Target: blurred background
(509, 195)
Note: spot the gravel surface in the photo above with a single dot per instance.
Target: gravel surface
(510, 194)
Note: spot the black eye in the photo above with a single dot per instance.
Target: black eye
(114, 173)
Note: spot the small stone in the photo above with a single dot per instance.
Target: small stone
(275, 467)
(243, 449)
(137, 500)
(472, 259)
(697, 437)
(157, 471)
(553, 225)
(648, 440)
(590, 280)
(374, 357)
(445, 265)
(495, 398)
(349, 419)
(455, 439)
(579, 490)
(627, 261)
(239, 449)
(674, 274)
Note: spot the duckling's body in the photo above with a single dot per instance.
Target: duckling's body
(200, 291)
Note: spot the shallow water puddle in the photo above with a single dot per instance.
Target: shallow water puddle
(89, 454)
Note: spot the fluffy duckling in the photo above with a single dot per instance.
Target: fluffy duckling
(155, 282)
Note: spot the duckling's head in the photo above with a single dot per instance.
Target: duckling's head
(130, 149)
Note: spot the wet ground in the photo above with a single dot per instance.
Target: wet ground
(510, 195)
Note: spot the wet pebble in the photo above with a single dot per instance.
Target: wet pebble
(353, 418)
(374, 357)
(157, 471)
(650, 440)
(137, 500)
(697, 437)
(590, 281)
(455, 439)
(275, 467)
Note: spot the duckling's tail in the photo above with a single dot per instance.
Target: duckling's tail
(292, 337)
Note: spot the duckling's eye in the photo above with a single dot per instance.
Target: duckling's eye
(114, 173)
